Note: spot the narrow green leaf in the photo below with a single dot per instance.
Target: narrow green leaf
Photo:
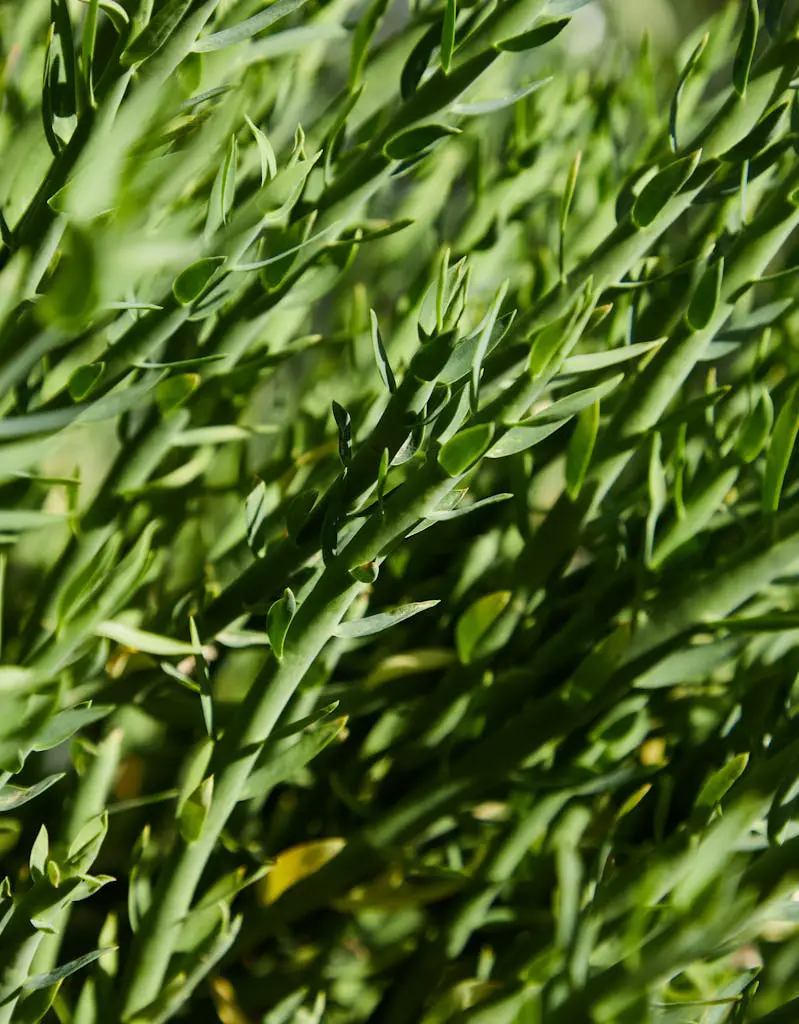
(72, 293)
(537, 36)
(721, 781)
(49, 85)
(265, 152)
(444, 515)
(117, 14)
(570, 873)
(698, 514)
(418, 60)
(204, 678)
(88, 41)
(581, 447)
(570, 405)
(160, 27)
(84, 381)
(87, 842)
(247, 29)
(657, 192)
(344, 425)
(632, 801)
(190, 283)
(383, 365)
(483, 341)
(382, 476)
(281, 257)
(68, 104)
(221, 434)
(465, 448)
(194, 811)
(594, 671)
(278, 620)
(331, 523)
(356, 628)
(440, 90)
(178, 364)
(477, 622)
(680, 462)
(40, 851)
(481, 107)
(685, 74)
(286, 763)
(139, 640)
(223, 191)
(256, 512)
(705, 299)
(759, 138)
(286, 1010)
(460, 363)
(298, 510)
(744, 55)
(565, 206)
(413, 141)
(365, 573)
(755, 429)
(521, 437)
(12, 520)
(779, 451)
(593, 361)
(40, 981)
(300, 724)
(37, 1005)
(237, 638)
(174, 392)
(448, 34)
(362, 38)
(12, 797)
(66, 723)
(657, 495)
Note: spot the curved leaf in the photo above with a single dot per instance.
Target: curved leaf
(413, 141)
(657, 192)
(247, 29)
(779, 451)
(537, 36)
(355, 628)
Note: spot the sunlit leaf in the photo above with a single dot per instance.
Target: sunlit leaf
(298, 862)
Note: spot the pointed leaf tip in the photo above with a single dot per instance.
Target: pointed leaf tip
(536, 36)
(278, 620)
(745, 53)
(356, 628)
(462, 450)
(381, 358)
(662, 188)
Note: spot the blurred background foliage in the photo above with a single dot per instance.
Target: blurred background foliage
(630, 50)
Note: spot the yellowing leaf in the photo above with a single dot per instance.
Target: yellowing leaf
(296, 863)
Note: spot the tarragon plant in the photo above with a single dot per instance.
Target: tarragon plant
(399, 532)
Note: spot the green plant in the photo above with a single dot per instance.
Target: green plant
(398, 516)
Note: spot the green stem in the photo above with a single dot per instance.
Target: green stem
(238, 751)
(90, 801)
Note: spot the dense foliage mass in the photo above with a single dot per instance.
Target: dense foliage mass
(399, 523)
